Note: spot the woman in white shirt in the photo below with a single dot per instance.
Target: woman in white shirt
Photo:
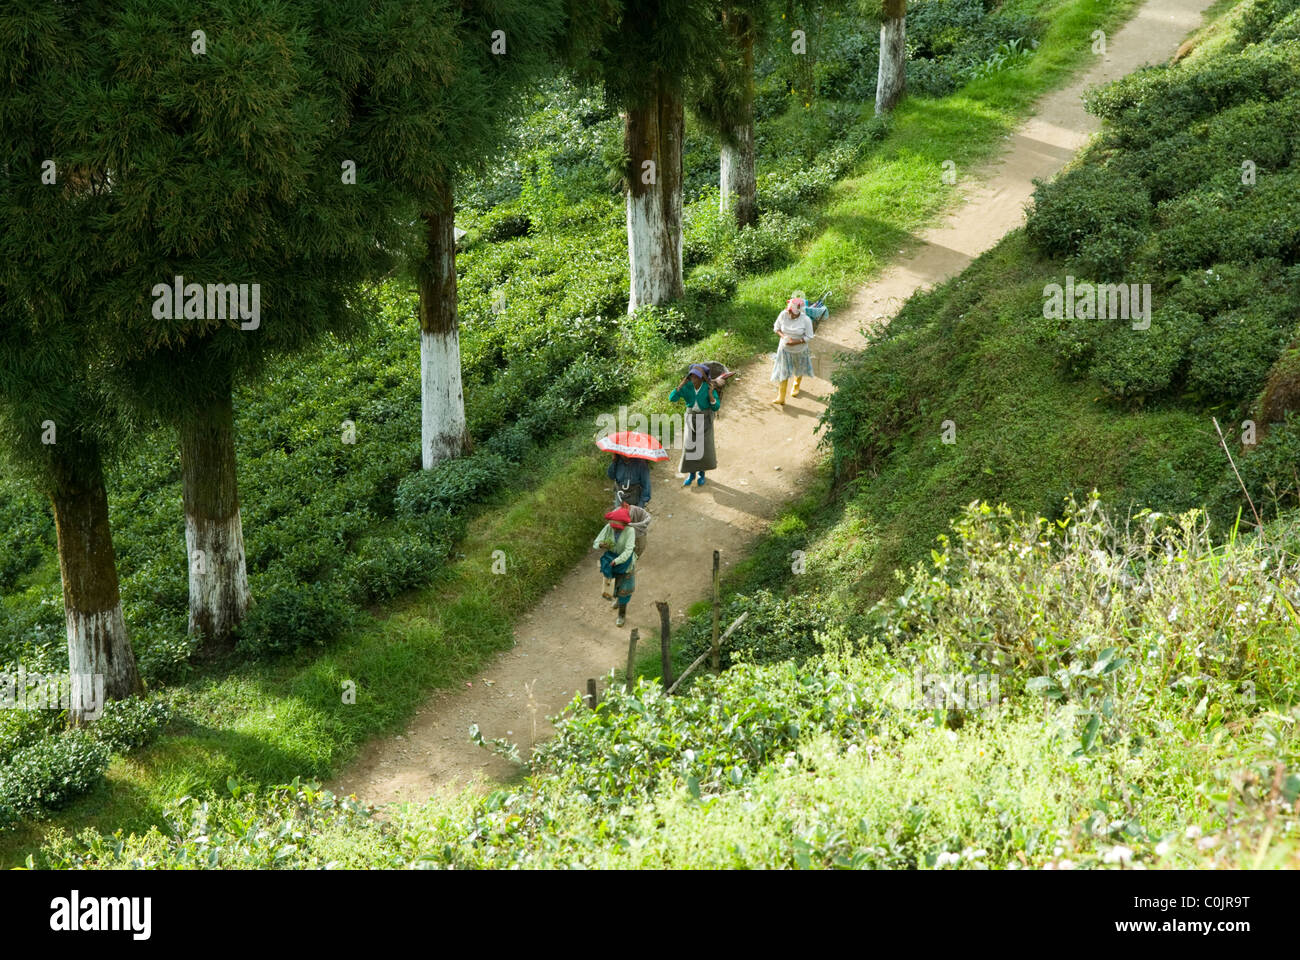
(793, 358)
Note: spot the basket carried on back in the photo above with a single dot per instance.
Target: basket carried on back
(718, 373)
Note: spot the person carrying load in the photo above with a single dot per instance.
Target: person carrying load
(793, 358)
(702, 401)
(618, 540)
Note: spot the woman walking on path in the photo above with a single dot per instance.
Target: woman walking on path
(702, 401)
(618, 563)
(631, 478)
(793, 358)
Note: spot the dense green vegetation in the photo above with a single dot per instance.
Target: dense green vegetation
(1145, 652)
(1148, 728)
(1042, 408)
(334, 528)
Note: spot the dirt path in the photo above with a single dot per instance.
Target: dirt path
(571, 634)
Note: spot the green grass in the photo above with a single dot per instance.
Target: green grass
(267, 723)
(831, 762)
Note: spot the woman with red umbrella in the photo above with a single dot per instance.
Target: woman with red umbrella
(632, 478)
(630, 469)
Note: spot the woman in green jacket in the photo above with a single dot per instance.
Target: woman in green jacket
(702, 401)
(618, 562)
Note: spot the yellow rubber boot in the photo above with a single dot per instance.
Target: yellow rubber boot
(795, 391)
(779, 399)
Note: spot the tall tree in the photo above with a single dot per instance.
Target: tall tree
(891, 77)
(232, 231)
(443, 81)
(58, 426)
(644, 53)
(722, 97)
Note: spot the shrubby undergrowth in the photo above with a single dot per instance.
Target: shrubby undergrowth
(44, 768)
(1192, 189)
(1146, 716)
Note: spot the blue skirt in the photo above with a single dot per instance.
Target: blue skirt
(607, 568)
(789, 365)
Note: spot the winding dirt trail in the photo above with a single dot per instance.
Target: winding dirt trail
(571, 635)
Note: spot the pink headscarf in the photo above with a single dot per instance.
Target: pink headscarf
(789, 304)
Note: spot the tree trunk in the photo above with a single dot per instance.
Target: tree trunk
(99, 649)
(739, 181)
(214, 532)
(443, 433)
(891, 79)
(652, 136)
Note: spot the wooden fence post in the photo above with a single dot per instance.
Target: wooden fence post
(631, 658)
(700, 659)
(665, 644)
(592, 697)
(717, 604)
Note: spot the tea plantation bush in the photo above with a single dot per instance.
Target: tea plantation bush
(42, 773)
(1166, 198)
(775, 629)
(1103, 714)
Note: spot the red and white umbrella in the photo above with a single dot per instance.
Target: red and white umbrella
(637, 446)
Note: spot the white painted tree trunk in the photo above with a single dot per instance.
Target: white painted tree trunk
(92, 671)
(442, 415)
(653, 139)
(100, 658)
(219, 594)
(891, 78)
(214, 532)
(737, 178)
(443, 429)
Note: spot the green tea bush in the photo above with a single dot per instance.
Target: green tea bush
(1258, 18)
(202, 834)
(382, 568)
(1161, 199)
(126, 725)
(1150, 596)
(1089, 203)
(775, 629)
(636, 740)
(666, 324)
(512, 443)
(47, 774)
(22, 728)
(1286, 30)
(788, 193)
(710, 285)
(504, 223)
(1159, 102)
(287, 616)
(1268, 472)
(1135, 364)
(1230, 356)
(707, 231)
(25, 528)
(450, 485)
(162, 644)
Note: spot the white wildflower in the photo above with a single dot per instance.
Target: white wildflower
(1118, 854)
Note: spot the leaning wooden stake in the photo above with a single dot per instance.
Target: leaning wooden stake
(700, 659)
(1259, 524)
(592, 698)
(665, 644)
(631, 658)
(717, 608)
